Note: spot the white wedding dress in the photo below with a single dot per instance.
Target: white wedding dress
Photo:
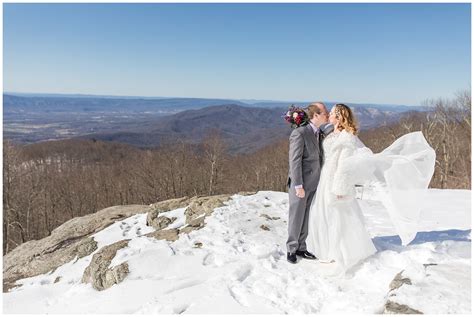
(337, 231)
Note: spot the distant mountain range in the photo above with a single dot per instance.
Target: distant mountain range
(75, 103)
(14, 104)
(243, 129)
(151, 122)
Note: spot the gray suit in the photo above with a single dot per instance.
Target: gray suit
(305, 162)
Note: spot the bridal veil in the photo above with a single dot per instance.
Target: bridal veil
(402, 173)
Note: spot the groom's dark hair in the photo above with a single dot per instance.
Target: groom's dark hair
(314, 108)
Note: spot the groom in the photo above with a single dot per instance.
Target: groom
(305, 161)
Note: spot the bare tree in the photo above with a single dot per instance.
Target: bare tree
(214, 152)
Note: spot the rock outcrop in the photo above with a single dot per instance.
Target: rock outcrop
(73, 239)
(197, 209)
(98, 272)
(201, 207)
(67, 241)
(398, 281)
(161, 222)
(396, 308)
(164, 206)
(391, 306)
(167, 234)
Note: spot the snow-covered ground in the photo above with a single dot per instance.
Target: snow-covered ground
(241, 268)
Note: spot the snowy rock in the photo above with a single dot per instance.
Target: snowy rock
(392, 307)
(398, 281)
(164, 206)
(432, 288)
(198, 207)
(198, 222)
(246, 193)
(188, 229)
(46, 260)
(170, 204)
(161, 222)
(263, 227)
(201, 207)
(169, 235)
(395, 308)
(66, 242)
(98, 272)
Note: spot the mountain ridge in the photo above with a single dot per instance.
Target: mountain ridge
(149, 123)
(244, 129)
(191, 102)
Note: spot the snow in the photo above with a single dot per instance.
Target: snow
(241, 268)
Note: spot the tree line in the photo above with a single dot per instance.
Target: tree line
(45, 184)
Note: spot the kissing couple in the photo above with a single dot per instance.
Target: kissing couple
(326, 161)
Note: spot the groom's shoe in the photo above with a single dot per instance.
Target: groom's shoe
(291, 257)
(306, 255)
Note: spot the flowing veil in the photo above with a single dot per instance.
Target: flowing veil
(402, 173)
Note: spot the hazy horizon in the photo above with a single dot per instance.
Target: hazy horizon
(85, 95)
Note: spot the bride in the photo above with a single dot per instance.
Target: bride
(337, 232)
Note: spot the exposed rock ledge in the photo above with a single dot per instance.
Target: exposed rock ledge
(198, 208)
(98, 273)
(67, 241)
(73, 238)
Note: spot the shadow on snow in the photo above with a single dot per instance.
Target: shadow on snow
(394, 242)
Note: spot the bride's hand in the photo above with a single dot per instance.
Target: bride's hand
(339, 196)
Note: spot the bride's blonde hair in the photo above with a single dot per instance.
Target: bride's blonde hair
(346, 118)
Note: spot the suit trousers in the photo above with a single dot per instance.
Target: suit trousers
(298, 220)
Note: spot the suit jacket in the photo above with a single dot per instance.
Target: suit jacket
(306, 156)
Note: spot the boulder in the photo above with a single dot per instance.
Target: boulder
(197, 223)
(396, 308)
(170, 204)
(188, 229)
(398, 281)
(200, 207)
(164, 206)
(98, 272)
(160, 222)
(391, 306)
(169, 235)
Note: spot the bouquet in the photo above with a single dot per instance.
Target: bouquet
(297, 117)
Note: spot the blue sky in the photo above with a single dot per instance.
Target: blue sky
(375, 53)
